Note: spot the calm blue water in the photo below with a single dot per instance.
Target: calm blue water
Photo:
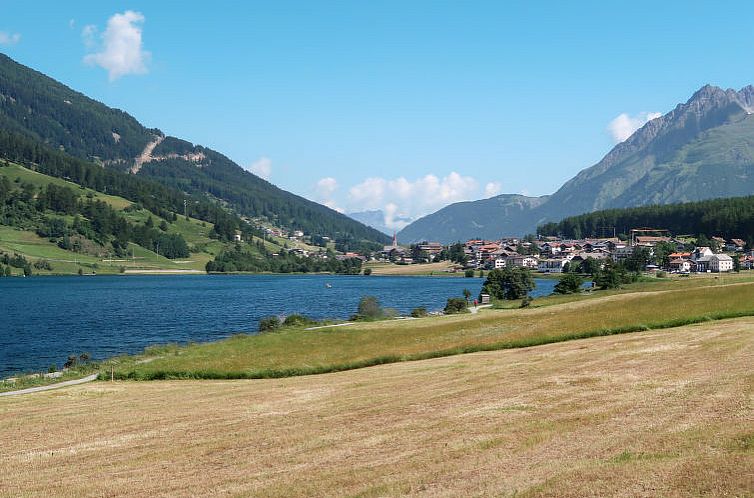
(45, 319)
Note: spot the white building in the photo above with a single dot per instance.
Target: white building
(552, 265)
(720, 263)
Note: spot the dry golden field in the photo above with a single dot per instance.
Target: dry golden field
(656, 413)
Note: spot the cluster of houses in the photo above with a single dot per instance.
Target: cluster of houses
(553, 255)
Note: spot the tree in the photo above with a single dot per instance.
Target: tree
(662, 252)
(590, 266)
(639, 259)
(570, 283)
(467, 294)
(508, 283)
(369, 309)
(455, 305)
(613, 276)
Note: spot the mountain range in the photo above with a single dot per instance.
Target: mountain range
(46, 115)
(702, 149)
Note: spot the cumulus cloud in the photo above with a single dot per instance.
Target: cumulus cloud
(262, 167)
(324, 190)
(623, 126)
(401, 199)
(326, 187)
(492, 189)
(119, 49)
(9, 38)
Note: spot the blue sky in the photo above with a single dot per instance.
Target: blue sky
(402, 106)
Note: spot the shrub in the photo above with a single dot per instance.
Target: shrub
(367, 271)
(419, 312)
(468, 273)
(42, 264)
(297, 320)
(526, 302)
(369, 309)
(269, 323)
(70, 362)
(456, 305)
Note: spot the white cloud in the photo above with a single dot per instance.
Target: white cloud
(393, 219)
(120, 51)
(9, 38)
(326, 187)
(324, 190)
(492, 189)
(403, 198)
(623, 126)
(262, 167)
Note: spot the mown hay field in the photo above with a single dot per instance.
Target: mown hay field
(656, 413)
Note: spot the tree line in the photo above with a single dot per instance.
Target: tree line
(729, 218)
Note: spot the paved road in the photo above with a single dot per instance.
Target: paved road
(67, 383)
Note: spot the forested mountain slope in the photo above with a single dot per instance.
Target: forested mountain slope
(42, 117)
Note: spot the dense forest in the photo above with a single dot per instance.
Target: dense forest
(33, 104)
(728, 218)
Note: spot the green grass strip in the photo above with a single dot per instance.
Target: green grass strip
(383, 360)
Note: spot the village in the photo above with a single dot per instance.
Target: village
(643, 248)
(650, 253)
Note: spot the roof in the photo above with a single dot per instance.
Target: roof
(643, 239)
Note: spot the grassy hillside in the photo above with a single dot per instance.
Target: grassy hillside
(659, 413)
(35, 248)
(295, 351)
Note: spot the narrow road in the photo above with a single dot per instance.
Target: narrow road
(67, 383)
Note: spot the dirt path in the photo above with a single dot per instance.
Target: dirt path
(67, 383)
(146, 154)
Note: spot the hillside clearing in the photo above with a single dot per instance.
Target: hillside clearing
(664, 413)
